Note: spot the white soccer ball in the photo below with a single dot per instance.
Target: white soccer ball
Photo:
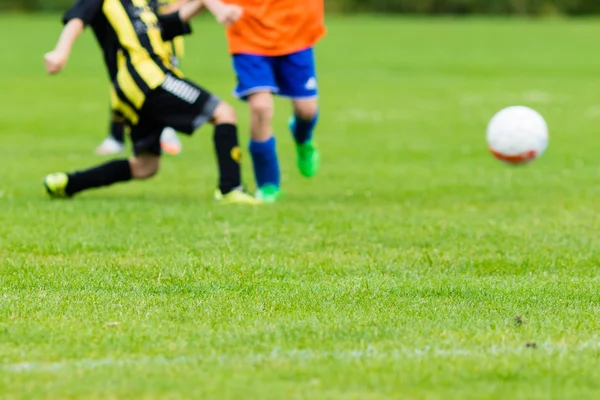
(517, 135)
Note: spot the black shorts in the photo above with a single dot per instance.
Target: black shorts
(177, 103)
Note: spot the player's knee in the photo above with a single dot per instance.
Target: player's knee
(262, 106)
(224, 114)
(144, 166)
(306, 110)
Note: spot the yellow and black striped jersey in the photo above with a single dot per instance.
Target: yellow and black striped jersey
(175, 48)
(132, 38)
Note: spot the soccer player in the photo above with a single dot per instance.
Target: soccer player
(272, 49)
(148, 91)
(169, 141)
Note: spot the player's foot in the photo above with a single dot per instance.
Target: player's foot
(236, 196)
(169, 142)
(309, 157)
(56, 185)
(110, 146)
(268, 193)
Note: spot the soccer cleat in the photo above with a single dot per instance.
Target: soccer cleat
(56, 185)
(268, 194)
(309, 159)
(110, 146)
(169, 142)
(236, 196)
(308, 155)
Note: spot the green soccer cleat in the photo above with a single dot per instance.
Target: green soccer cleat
(268, 194)
(236, 196)
(309, 157)
(56, 185)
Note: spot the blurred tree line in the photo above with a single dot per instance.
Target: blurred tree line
(519, 7)
(523, 7)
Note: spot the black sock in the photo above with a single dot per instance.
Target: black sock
(229, 156)
(117, 131)
(102, 175)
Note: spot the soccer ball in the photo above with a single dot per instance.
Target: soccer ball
(517, 135)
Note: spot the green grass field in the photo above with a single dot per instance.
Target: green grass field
(414, 266)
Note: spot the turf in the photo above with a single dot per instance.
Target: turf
(414, 266)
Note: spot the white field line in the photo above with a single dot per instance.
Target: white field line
(368, 354)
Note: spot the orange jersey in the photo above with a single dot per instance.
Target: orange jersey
(276, 27)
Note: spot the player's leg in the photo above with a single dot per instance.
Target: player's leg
(115, 142)
(62, 184)
(304, 120)
(297, 79)
(144, 164)
(145, 136)
(185, 106)
(256, 84)
(229, 156)
(263, 147)
(302, 125)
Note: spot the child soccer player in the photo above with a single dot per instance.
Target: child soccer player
(169, 142)
(272, 49)
(148, 91)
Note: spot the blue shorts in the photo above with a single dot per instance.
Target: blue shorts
(293, 75)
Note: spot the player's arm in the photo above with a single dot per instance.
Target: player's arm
(177, 23)
(226, 14)
(75, 19)
(174, 7)
(57, 59)
(189, 9)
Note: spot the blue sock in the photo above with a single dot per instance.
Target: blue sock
(266, 164)
(303, 129)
